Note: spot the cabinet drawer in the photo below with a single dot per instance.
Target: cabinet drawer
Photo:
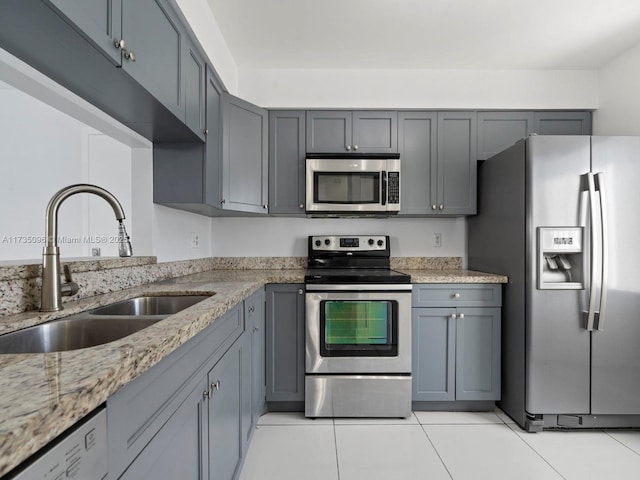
(458, 295)
(137, 411)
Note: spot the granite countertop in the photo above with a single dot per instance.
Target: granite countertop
(44, 394)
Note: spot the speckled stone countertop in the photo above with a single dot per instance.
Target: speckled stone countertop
(44, 394)
(453, 276)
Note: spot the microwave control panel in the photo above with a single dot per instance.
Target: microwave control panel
(393, 185)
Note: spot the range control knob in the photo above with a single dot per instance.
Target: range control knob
(371, 241)
(327, 241)
(318, 243)
(380, 242)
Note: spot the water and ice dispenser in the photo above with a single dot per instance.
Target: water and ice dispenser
(561, 258)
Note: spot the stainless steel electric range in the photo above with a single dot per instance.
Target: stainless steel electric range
(358, 329)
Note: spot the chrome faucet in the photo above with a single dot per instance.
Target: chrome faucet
(52, 289)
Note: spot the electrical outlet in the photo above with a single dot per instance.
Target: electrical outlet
(437, 239)
(195, 240)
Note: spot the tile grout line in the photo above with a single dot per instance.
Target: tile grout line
(534, 450)
(433, 446)
(621, 442)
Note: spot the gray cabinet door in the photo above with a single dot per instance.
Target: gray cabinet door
(98, 20)
(213, 149)
(499, 130)
(375, 131)
(285, 343)
(244, 156)
(418, 152)
(478, 354)
(329, 131)
(457, 164)
(224, 415)
(433, 354)
(562, 123)
(194, 81)
(179, 448)
(287, 162)
(154, 38)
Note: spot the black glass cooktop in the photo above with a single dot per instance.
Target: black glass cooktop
(355, 275)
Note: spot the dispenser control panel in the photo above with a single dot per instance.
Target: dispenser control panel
(561, 258)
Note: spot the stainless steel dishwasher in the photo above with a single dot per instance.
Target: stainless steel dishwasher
(79, 453)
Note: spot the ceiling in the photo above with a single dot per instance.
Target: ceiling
(427, 34)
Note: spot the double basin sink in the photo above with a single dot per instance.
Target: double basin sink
(96, 327)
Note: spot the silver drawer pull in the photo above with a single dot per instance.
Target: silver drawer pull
(461, 316)
(456, 295)
(453, 316)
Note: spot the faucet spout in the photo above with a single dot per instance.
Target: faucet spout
(52, 290)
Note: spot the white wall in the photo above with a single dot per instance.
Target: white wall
(619, 96)
(473, 89)
(270, 236)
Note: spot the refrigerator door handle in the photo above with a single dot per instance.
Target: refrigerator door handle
(592, 284)
(605, 251)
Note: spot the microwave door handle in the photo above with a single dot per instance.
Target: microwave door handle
(384, 187)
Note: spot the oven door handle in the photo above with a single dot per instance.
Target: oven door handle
(384, 187)
(400, 287)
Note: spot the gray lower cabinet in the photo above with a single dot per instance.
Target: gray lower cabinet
(287, 148)
(285, 337)
(456, 345)
(192, 415)
(341, 131)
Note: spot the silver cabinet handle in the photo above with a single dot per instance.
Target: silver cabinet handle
(130, 56)
(255, 329)
(215, 386)
(264, 206)
(441, 207)
(206, 131)
(355, 147)
(456, 295)
(252, 309)
(348, 148)
(120, 44)
(206, 394)
(433, 207)
(222, 202)
(605, 251)
(461, 316)
(301, 205)
(300, 291)
(453, 316)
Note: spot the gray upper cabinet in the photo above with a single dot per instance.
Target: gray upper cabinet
(194, 80)
(287, 162)
(98, 20)
(417, 145)
(154, 49)
(244, 156)
(342, 131)
(562, 123)
(285, 343)
(499, 130)
(457, 164)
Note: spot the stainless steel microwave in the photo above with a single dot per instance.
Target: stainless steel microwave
(352, 184)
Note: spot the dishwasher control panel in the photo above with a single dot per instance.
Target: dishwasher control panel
(81, 453)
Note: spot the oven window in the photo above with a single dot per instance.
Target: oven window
(346, 187)
(358, 328)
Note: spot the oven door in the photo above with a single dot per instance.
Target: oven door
(349, 185)
(358, 330)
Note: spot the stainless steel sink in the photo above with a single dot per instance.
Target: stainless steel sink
(163, 305)
(96, 327)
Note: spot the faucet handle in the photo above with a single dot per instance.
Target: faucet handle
(69, 287)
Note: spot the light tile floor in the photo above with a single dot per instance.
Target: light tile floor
(433, 446)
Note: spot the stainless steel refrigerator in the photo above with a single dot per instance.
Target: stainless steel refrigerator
(560, 215)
